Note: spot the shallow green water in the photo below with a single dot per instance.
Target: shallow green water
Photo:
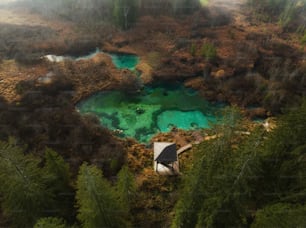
(123, 61)
(156, 109)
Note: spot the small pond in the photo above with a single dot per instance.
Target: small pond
(155, 109)
(125, 61)
(121, 61)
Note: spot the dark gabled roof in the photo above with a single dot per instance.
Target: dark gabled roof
(165, 152)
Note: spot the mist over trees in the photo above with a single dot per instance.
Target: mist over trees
(289, 13)
(74, 10)
(122, 13)
(65, 170)
(125, 13)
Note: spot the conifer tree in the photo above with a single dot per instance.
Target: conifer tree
(50, 222)
(126, 188)
(125, 13)
(59, 184)
(232, 173)
(216, 188)
(23, 186)
(96, 200)
(284, 158)
(185, 6)
(281, 215)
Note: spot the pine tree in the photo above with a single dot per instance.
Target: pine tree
(217, 188)
(50, 222)
(23, 186)
(185, 6)
(233, 175)
(126, 188)
(59, 184)
(284, 159)
(281, 215)
(200, 182)
(125, 13)
(96, 200)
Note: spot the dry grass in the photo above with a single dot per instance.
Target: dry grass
(11, 74)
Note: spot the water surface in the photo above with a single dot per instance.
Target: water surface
(155, 109)
(125, 61)
(121, 61)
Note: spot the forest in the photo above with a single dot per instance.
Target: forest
(88, 86)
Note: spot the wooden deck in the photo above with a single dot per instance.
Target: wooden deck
(184, 148)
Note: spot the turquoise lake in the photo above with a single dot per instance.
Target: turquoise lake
(155, 109)
(121, 61)
(125, 61)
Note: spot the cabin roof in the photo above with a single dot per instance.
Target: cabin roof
(165, 152)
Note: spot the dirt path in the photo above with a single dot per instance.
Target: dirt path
(229, 4)
(234, 8)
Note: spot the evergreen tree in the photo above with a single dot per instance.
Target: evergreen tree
(217, 188)
(233, 175)
(59, 184)
(126, 188)
(96, 200)
(284, 159)
(50, 222)
(23, 186)
(125, 13)
(281, 215)
(185, 6)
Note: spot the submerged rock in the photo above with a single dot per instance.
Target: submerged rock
(140, 111)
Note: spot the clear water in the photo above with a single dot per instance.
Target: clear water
(124, 61)
(121, 61)
(183, 119)
(156, 109)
